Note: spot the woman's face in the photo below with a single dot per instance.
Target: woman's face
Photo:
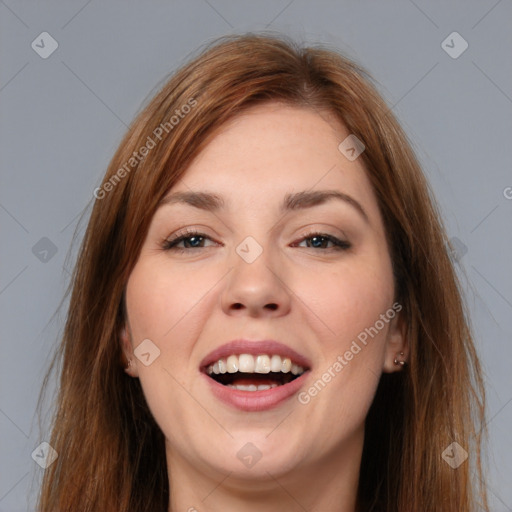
(294, 261)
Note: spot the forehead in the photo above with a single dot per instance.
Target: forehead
(272, 150)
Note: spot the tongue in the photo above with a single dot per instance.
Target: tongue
(247, 381)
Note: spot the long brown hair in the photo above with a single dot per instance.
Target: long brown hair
(111, 451)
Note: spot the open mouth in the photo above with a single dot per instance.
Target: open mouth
(246, 372)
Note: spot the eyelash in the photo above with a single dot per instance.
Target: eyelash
(170, 244)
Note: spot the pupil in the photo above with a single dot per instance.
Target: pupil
(316, 239)
(197, 238)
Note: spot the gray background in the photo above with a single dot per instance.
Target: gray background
(62, 118)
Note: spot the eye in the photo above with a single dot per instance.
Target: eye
(190, 238)
(194, 239)
(318, 241)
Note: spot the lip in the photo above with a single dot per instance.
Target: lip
(255, 348)
(253, 401)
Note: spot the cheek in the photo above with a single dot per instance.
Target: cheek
(347, 300)
(160, 303)
(159, 298)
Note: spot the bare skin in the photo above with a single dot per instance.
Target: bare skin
(300, 291)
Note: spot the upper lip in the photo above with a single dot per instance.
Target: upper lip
(241, 346)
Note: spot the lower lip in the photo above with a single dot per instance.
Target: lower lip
(255, 400)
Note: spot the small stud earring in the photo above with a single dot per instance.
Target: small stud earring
(128, 366)
(397, 362)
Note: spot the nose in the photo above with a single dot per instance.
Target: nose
(256, 289)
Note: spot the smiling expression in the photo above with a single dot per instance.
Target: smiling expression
(271, 234)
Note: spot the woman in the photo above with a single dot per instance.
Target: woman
(265, 262)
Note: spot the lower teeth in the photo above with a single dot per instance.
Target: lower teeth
(252, 387)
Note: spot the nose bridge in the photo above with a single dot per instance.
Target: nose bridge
(255, 283)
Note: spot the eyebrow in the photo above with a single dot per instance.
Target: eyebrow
(297, 201)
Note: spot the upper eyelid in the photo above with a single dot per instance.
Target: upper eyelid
(189, 232)
(292, 213)
(202, 230)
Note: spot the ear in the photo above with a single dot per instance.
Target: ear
(396, 344)
(127, 349)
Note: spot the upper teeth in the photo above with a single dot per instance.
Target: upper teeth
(247, 363)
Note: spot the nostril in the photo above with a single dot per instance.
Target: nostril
(272, 306)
